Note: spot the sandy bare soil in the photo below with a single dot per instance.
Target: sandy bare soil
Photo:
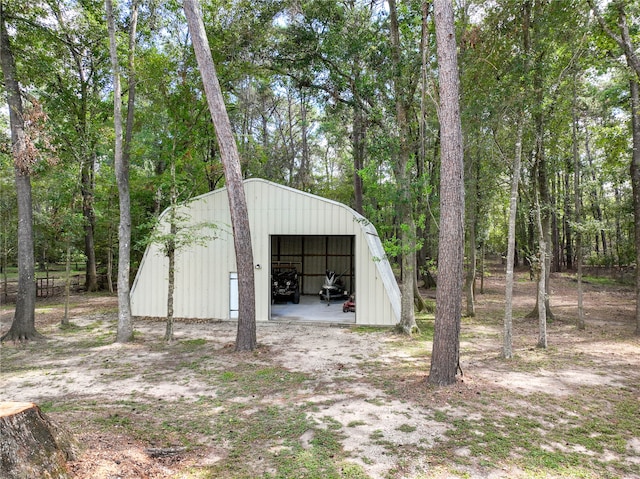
(371, 384)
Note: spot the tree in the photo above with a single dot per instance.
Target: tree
(624, 40)
(75, 95)
(125, 324)
(246, 335)
(401, 170)
(445, 358)
(24, 156)
(507, 340)
(577, 208)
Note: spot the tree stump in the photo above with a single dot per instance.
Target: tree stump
(31, 445)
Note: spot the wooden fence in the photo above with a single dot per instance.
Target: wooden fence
(46, 287)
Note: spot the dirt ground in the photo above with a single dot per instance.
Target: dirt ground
(371, 383)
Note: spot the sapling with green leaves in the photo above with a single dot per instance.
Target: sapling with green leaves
(177, 233)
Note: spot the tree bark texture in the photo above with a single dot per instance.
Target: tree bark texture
(171, 251)
(31, 446)
(635, 183)
(125, 324)
(23, 325)
(246, 335)
(445, 358)
(358, 145)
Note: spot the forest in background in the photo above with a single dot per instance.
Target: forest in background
(313, 90)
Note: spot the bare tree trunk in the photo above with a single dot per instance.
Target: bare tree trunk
(507, 340)
(110, 267)
(445, 358)
(125, 323)
(23, 325)
(86, 188)
(358, 145)
(544, 199)
(246, 335)
(542, 276)
(472, 222)
(405, 204)
(568, 232)
(305, 169)
(5, 275)
(171, 251)
(131, 99)
(577, 211)
(635, 182)
(67, 283)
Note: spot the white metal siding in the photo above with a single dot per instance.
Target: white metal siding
(202, 274)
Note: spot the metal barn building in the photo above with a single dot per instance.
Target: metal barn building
(288, 226)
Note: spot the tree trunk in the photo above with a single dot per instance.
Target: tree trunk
(67, 283)
(542, 278)
(507, 340)
(577, 207)
(23, 325)
(445, 358)
(246, 335)
(358, 145)
(633, 61)
(556, 255)
(125, 324)
(403, 181)
(171, 251)
(568, 232)
(171, 254)
(31, 446)
(544, 198)
(635, 182)
(472, 248)
(86, 189)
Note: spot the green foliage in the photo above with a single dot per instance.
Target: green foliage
(187, 233)
(295, 78)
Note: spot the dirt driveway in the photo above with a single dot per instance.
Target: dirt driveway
(341, 402)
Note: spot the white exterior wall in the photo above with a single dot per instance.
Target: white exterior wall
(202, 272)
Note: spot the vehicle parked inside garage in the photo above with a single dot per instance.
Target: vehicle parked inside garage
(284, 283)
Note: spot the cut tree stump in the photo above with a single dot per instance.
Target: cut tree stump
(31, 446)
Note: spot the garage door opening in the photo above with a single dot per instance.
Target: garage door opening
(306, 260)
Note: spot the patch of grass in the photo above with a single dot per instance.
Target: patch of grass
(425, 324)
(276, 432)
(376, 401)
(563, 437)
(440, 416)
(356, 423)
(349, 470)
(192, 344)
(247, 380)
(406, 428)
(601, 280)
(369, 329)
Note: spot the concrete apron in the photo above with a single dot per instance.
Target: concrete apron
(312, 309)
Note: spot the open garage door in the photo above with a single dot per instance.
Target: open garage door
(313, 256)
